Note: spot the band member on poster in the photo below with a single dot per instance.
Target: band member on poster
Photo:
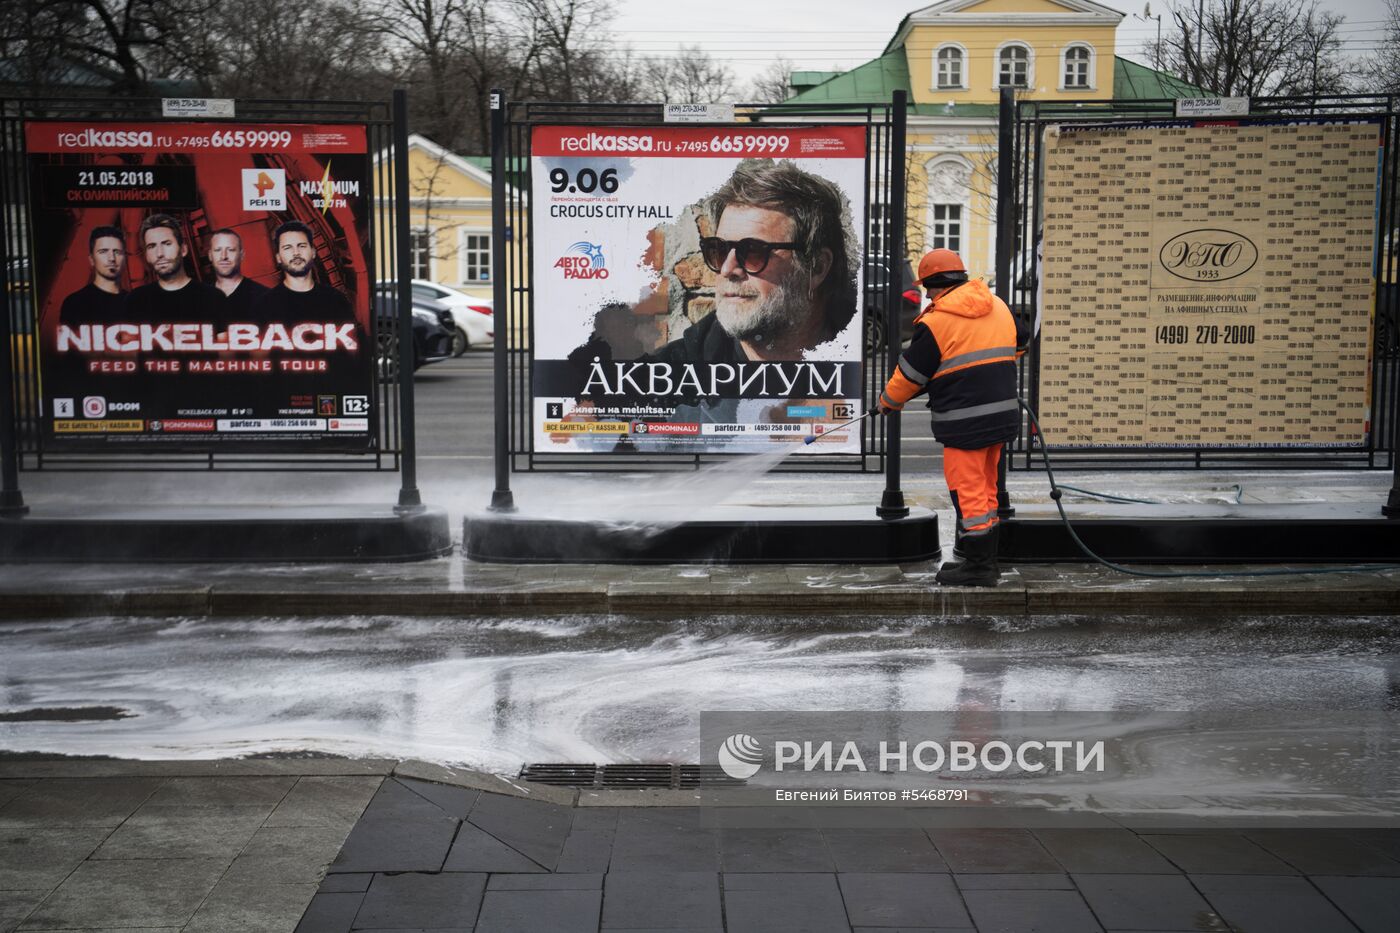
(174, 295)
(102, 299)
(299, 297)
(240, 292)
(785, 257)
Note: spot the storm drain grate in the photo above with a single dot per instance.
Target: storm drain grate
(659, 774)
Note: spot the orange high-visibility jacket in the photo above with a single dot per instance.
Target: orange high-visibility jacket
(964, 352)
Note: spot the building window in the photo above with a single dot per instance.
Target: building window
(420, 249)
(476, 257)
(1014, 66)
(947, 227)
(950, 67)
(1079, 65)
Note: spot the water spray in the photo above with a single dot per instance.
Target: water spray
(844, 424)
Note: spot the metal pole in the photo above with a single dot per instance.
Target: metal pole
(11, 501)
(502, 500)
(892, 502)
(409, 498)
(1006, 245)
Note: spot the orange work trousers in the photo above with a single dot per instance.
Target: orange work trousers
(972, 483)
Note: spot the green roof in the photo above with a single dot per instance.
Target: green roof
(876, 81)
(872, 83)
(1132, 81)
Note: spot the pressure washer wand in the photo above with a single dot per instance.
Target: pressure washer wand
(844, 424)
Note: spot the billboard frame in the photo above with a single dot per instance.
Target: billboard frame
(1023, 137)
(393, 443)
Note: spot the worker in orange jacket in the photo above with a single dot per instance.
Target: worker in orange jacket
(963, 353)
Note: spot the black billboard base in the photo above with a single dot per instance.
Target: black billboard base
(1337, 533)
(726, 535)
(232, 534)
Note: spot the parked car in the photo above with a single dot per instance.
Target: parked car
(473, 320)
(433, 326)
(877, 279)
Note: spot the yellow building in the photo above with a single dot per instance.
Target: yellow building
(953, 58)
(449, 217)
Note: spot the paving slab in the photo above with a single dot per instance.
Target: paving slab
(1030, 912)
(1324, 852)
(533, 882)
(1011, 881)
(664, 839)
(386, 845)
(882, 850)
(661, 900)
(1102, 850)
(1373, 904)
(774, 850)
(251, 906)
(80, 802)
(35, 855)
(1148, 902)
(1217, 853)
(454, 801)
(142, 892)
(448, 899)
(184, 832)
(558, 911)
(902, 899)
(477, 850)
(15, 905)
(227, 791)
(783, 903)
(586, 850)
(993, 850)
(334, 801)
(533, 828)
(1277, 904)
(331, 912)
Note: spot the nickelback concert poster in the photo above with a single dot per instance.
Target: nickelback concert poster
(202, 286)
(695, 288)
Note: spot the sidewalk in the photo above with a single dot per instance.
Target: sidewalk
(457, 586)
(335, 845)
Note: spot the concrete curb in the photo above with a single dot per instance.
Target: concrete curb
(1365, 594)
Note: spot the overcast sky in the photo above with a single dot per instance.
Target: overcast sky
(840, 34)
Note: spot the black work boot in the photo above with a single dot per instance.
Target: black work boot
(979, 565)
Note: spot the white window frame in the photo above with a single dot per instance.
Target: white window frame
(427, 234)
(1090, 84)
(1030, 65)
(958, 238)
(466, 253)
(950, 189)
(963, 63)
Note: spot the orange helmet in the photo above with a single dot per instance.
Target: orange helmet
(940, 260)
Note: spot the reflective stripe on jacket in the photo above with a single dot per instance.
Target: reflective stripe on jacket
(964, 352)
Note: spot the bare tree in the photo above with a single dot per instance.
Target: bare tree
(1380, 71)
(689, 77)
(315, 48)
(566, 36)
(773, 85)
(134, 41)
(1252, 48)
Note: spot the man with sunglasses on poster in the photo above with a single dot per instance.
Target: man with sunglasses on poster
(784, 258)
